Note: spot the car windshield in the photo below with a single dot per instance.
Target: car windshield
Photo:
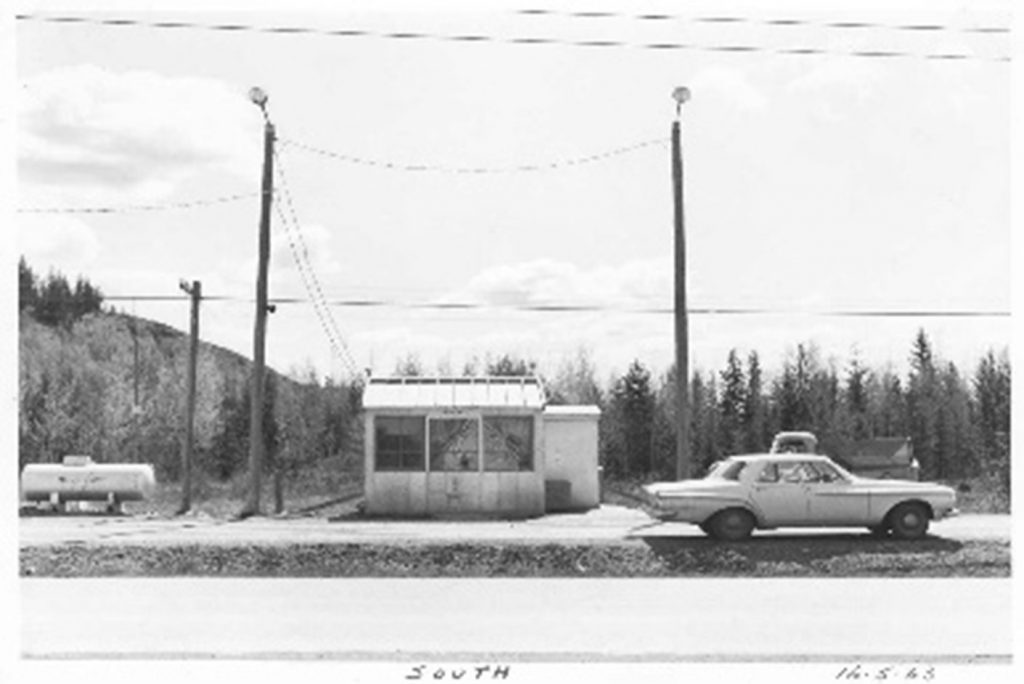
(725, 470)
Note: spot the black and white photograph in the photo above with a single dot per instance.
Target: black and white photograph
(509, 341)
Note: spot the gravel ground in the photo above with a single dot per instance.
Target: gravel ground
(652, 557)
(611, 541)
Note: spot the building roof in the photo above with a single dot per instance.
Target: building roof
(571, 412)
(441, 392)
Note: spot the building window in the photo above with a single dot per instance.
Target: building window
(454, 444)
(399, 443)
(508, 443)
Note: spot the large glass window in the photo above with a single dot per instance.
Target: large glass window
(454, 444)
(399, 443)
(508, 443)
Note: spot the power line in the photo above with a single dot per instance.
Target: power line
(600, 308)
(309, 278)
(126, 208)
(437, 168)
(407, 36)
(784, 22)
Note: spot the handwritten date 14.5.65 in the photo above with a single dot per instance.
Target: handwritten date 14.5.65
(881, 673)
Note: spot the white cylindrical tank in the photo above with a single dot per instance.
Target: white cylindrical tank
(79, 479)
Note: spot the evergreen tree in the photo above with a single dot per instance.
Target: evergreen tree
(731, 405)
(704, 429)
(27, 288)
(856, 403)
(53, 306)
(52, 301)
(86, 299)
(632, 403)
(991, 415)
(792, 393)
(957, 443)
(923, 403)
(825, 407)
(664, 428)
(992, 391)
(755, 411)
(890, 418)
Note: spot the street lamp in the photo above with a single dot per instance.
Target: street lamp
(256, 446)
(259, 97)
(680, 95)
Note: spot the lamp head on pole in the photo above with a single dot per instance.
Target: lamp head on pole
(258, 97)
(680, 95)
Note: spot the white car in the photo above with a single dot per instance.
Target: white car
(767, 491)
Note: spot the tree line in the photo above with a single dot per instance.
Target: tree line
(53, 300)
(959, 424)
(112, 386)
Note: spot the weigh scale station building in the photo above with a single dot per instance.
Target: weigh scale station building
(483, 446)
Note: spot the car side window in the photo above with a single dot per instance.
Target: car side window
(791, 472)
(733, 470)
(770, 473)
(824, 472)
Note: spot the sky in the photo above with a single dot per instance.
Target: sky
(418, 171)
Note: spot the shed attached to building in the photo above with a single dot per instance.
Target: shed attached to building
(437, 446)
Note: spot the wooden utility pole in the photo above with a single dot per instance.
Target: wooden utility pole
(256, 446)
(680, 95)
(196, 292)
(136, 409)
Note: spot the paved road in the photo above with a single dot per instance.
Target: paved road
(608, 524)
(661, 620)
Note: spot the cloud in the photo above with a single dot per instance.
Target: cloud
(838, 72)
(62, 242)
(99, 134)
(730, 84)
(311, 244)
(546, 281)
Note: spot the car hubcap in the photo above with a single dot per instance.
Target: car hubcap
(734, 524)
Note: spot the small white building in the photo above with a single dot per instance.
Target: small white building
(491, 446)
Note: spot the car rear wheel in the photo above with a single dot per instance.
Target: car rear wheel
(909, 521)
(732, 524)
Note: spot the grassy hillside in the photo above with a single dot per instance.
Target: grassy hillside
(113, 387)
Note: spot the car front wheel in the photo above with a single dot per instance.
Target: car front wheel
(909, 521)
(732, 524)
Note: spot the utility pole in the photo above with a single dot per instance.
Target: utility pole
(256, 446)
(680, 95)
(136, 409)
(195, 290)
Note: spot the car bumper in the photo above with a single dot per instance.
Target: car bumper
(671, 509)
(949, 513)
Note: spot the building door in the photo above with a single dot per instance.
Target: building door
(454, 460)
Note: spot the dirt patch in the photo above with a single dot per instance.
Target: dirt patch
(663, 557)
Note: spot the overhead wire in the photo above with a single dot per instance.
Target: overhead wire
(127, 208)
(313, 285)
(604, 308)
(783, 22)
(479, 170)
(300, 253)
(509, 40)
